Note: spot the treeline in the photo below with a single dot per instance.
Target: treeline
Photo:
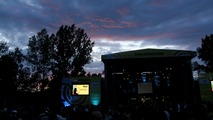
(56, 55)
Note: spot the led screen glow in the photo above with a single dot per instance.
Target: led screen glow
(212, 86)
(80, 89)
(145, 88)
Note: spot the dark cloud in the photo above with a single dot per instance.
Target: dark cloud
(114, 25)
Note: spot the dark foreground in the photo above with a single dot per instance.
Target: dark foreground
(149, 110)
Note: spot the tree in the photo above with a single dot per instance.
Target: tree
(38, 49)
(72, 50)
(3, 48)
(198, 67)
(205, 52)
(40, 53)
(67, 50)
(8, 72)
(23, 73)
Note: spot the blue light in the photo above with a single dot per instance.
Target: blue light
(95, 102)
(66, 104)
(95, 99)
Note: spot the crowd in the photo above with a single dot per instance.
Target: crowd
(148, 110)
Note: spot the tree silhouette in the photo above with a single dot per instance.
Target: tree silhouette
(11, 72)
(3, 48)
(40, 53)
(198, 67)
(8, 72)
(205, 52)
(72, 50)
(67, 50)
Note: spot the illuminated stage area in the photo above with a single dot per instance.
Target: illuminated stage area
(148, 73)
(81, 91)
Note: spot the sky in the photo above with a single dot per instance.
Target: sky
(114, 25)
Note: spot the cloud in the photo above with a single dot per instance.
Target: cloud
(115, 26)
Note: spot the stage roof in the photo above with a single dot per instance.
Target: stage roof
(149, 53)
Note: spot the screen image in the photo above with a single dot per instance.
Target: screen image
(145, 88)
(80, 89)
(212, 86)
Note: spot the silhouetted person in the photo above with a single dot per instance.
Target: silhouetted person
(75, 91)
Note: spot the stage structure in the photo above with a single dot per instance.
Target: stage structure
(81, 91)
(148, 72)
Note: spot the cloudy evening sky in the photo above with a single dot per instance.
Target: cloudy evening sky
(114, 25)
